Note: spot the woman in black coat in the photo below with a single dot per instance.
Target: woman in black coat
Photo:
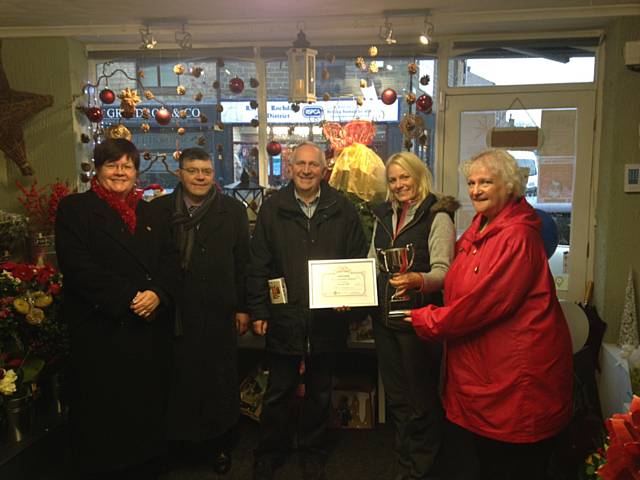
(119, 270)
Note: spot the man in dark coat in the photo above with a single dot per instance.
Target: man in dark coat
(212, 233)
(306, 220)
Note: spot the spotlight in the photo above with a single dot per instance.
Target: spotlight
(386, 33)
(147, 42)
(426, 37)
(183, 39)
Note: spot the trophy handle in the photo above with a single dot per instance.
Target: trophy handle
(382, 259)
(411, 250)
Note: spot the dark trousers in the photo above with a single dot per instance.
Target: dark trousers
(513, 461)
(278, 420)
(410, 370)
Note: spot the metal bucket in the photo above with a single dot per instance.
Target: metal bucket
(20, 418)
(55, 393)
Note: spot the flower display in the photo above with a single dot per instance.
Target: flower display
(32, 334)
(8, 380)
(41, 203)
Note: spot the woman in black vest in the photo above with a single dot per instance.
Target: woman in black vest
(410, 367)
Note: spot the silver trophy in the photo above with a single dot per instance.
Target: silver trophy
(396, 260)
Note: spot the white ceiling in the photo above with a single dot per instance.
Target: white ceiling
(215, 23)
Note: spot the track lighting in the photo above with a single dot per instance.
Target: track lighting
(426, 37)
(386, 33)
(147, 42)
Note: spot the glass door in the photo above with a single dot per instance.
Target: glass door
(559, 166)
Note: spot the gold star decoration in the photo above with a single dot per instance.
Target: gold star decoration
(16, 108)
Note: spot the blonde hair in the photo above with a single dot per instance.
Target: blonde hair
(416, 169)
(500, 163)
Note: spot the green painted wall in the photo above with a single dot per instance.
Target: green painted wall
(54, 66)
(618, 214)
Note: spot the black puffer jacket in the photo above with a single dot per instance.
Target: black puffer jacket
(416, 232)
(284, 240)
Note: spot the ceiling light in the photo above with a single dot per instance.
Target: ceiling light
(426, 37)
(386, 33)
(183, 39)
(147, 42)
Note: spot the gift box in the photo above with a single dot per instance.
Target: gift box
(353, 402)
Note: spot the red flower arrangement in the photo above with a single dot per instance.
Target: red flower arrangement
(41, 203)
(623, 453)
(31, 329)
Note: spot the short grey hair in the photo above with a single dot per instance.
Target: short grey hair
(500, 163)
(321, 156)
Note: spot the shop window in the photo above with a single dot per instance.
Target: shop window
(540, 62)
(338, 88)
(199, 102)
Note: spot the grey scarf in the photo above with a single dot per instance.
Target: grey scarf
(185, 225)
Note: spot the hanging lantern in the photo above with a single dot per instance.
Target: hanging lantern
(302, 70)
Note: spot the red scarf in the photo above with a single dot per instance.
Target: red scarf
(126, 209)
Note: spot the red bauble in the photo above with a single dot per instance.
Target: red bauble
(274, 148)
(389, 96)
(94, 114)
(236, 85)
(424, 103)
(162, 116)
(107, 96)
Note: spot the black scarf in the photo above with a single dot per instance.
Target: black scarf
(186, 225)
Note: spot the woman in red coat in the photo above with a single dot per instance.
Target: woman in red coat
(508, 350)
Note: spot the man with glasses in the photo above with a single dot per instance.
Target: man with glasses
(306, 220)
(212, 233)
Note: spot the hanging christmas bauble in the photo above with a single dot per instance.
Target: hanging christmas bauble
(203, 118)
(84, 138)
(146, 155)
(253, 104)
(424, 80)
(274, 148)
(94, 114)
(182, 114)
(412, 68)
(178, 69)
(295, 107)
(254, 122)
(326, 96)
(254, 82)
(198, 96)
(181, 90)
(389, 96)
(145, 127)
(162, 116)
(196, 71)
(107, 96)
(86, 166)
(424, 103)
(85, 177)
(410, 98)
(219, 108)
(236, 85)
(202, 140)
(146, 114)
(181, 131)
(216, 84)
(373, 51)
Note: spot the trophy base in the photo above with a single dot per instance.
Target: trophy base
(397, 314)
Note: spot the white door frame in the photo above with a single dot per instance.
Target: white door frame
(580, 263)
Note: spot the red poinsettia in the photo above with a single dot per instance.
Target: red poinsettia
(623, 454)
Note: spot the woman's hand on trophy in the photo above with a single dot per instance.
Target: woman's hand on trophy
(406, 281)
(407, 316)
(260, 327)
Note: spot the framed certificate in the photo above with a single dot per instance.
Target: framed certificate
(342, 283)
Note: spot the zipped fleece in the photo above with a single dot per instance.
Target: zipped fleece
(284, 240)
(509, 357)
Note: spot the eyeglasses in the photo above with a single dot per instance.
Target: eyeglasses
(207, 172)
(112, 167)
